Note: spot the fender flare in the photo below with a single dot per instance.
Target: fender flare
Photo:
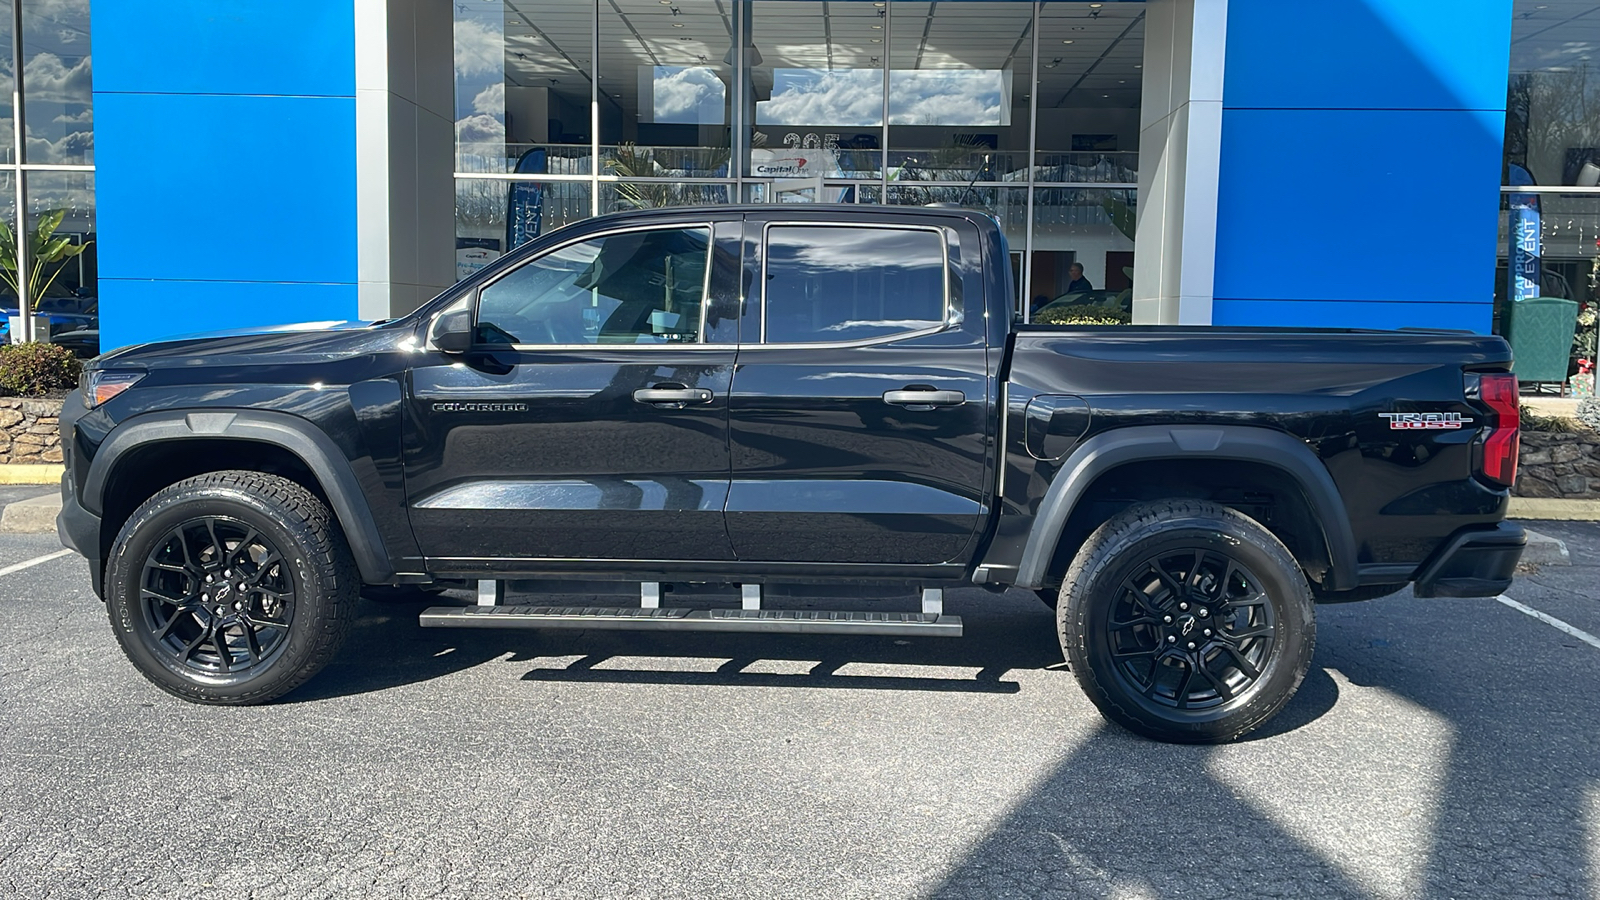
(296, 435)
(1105, 451)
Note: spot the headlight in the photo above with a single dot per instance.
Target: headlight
(102, 385)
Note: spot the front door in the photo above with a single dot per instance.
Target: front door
(589, 422)
(859, 412)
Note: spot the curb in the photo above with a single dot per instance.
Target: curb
(31, 473)
(36, 515)
(1544, 550)
(1563, 510)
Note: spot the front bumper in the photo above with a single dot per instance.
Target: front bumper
(1473, 563)
(78, 528)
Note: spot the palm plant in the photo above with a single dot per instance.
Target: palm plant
(45, 250)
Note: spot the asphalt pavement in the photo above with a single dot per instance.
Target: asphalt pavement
(1438, 749)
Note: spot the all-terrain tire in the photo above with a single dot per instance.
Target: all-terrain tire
(276, 617)
(1184, 675)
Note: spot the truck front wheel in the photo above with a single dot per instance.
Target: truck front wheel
(1186, 621)
(231, 588)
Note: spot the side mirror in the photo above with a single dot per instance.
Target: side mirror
(452, 330)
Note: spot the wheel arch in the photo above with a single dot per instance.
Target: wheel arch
(304, 453)
(1099, 457)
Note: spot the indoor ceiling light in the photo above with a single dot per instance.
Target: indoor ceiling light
(1096, 5)
(879, 27)
(677, 24)
(877, 40)
(1068, 41)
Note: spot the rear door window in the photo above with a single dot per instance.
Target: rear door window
(833, 284)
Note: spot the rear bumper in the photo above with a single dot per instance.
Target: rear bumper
(1473, 563)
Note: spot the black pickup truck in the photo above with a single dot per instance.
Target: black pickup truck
(777, 398)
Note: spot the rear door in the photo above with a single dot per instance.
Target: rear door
(859, 411)
(589, 422)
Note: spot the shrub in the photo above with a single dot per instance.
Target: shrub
(35, 369)
(1082, 314)
(1589, 413)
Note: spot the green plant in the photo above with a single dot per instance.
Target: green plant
(34, 369)
(45, 249)
(629, 161)
(1082, 314)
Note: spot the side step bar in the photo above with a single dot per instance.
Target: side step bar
(672, 619)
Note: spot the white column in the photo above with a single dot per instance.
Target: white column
(1180, 144)
(405, 154)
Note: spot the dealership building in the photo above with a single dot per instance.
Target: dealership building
(1374, 163)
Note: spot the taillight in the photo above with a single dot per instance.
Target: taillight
(1499, 391)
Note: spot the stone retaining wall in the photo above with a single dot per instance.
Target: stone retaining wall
(30, 430)
(1562, 466)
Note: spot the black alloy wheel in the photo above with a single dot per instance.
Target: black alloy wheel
(1186, 621)
(231, 587)
(1190, 630)
(217, 596)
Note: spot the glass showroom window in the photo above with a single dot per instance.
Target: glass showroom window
(47, 169)
(1029, 112)
(1550, 198)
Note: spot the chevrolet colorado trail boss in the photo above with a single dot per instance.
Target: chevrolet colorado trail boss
(778, 396)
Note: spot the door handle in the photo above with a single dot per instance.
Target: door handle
(676, 397)
(924, 398)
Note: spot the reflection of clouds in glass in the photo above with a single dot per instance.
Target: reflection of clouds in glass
(847, 97)
(50, 80)
(480, 49)
(949, 97)
(686, 95)
(851, 97)
(480, 129)
(491, 101)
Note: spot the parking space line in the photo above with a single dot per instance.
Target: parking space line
(1550, 620)
(60, 553)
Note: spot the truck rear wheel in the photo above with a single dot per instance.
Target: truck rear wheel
(231, 588)
(1186, 621)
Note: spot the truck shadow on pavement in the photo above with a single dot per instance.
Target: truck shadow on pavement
(1014, 633)
(1451, 771)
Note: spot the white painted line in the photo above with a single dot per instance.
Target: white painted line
(60, 553)
(1552, 621)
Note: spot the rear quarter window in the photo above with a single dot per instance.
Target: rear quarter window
(830, 284)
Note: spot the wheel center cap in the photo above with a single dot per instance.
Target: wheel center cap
(1186, 626)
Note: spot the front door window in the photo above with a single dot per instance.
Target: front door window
(637, 287)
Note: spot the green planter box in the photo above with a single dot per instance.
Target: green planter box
(1540, 331)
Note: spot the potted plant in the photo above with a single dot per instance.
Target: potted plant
(45, 250)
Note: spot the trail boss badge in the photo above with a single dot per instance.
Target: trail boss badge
(1424, 421)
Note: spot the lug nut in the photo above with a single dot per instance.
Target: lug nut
(1172, 639)
(1204, 612)
(1167, 619)
(1207, 632)
(1191, 645)
(1183, 606)
(208, 579)
(227, 573)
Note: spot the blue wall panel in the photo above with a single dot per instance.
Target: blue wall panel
(137, 311)
(227, 188)
(1350, 314)
(291, 47)
(1361, 145)
(1368, 54)
(225, 164)
(1365, 204)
